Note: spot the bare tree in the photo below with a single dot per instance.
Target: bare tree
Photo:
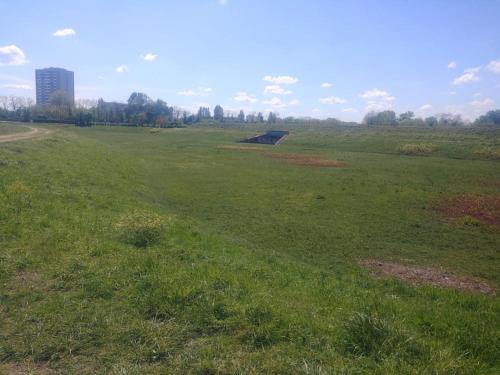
(4, 102)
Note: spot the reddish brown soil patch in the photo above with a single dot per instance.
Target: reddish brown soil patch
(417, 275)
(482, 208)
(239, 148)
(306, 159)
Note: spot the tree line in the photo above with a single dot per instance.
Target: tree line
(389, 118)
(141, 110)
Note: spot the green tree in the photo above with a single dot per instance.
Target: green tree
(218, 113)
(271, 118)
(260, 117)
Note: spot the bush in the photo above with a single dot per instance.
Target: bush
(141, 228)
(488, 153)
(415, 149)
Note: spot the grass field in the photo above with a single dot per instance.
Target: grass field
(257, 268)
(10, 128)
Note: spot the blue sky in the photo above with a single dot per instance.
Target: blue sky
(304, 58)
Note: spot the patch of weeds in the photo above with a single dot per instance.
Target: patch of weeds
(141, 228)
(488, 153)
(368, 334)
(19, 196)
(417, 149)
(469, 221)
(266, 328)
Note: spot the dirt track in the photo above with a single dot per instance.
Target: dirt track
(33, 133)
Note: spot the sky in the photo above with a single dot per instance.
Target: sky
(318, 58)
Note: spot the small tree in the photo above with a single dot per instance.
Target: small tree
(260, 118)
(271, 119)
(218, 113)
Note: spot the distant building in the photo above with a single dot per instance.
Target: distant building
(50, 80)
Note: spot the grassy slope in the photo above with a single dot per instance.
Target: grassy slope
(258, 272)
(10, 128)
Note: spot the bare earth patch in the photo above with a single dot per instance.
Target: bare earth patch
(437, 278)
(25, 369)
(306, 160)
(485, 209)
(27, 281)
(239, 148)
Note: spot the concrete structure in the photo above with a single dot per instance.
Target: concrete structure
(272, 137)
(50, 80)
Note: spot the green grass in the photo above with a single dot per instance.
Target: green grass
(10, 128)
(257, 270)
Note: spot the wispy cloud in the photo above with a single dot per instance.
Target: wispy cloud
(326, 85)
(17, 86)
(244, 97)
(223, 2)
(469, 75)
(275, 103)
(352, 110)
(122, 69)
(376, 94)
(486, 103)
(149, 57)
(276, 90)
(12, 55)
(281, 80)
(377, 100)
(494, 66)
(332, 100)
(425, 107)
(64, 32)
(199, 91)
(452, 65)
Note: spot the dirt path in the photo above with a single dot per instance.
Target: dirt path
(33, 133)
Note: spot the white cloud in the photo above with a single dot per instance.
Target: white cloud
(149, 57)
(276, 90)
(326, 85)
(294, 102)
(17, 86)
(425, 107)
(379, 105)
(483, 104)
(275, 102)
(223, 2)
(121, 69)
(477, 95)
(332, 100)
(453, 93)
(64, 32)
(466, 78)
(199, 91)
(379, 100)
(494, 66)
(187, 93)
(12, 55)
(378, 94)
(244, 97)
(281, 80)
(452, 65)
(473, 70)
(350, 110)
